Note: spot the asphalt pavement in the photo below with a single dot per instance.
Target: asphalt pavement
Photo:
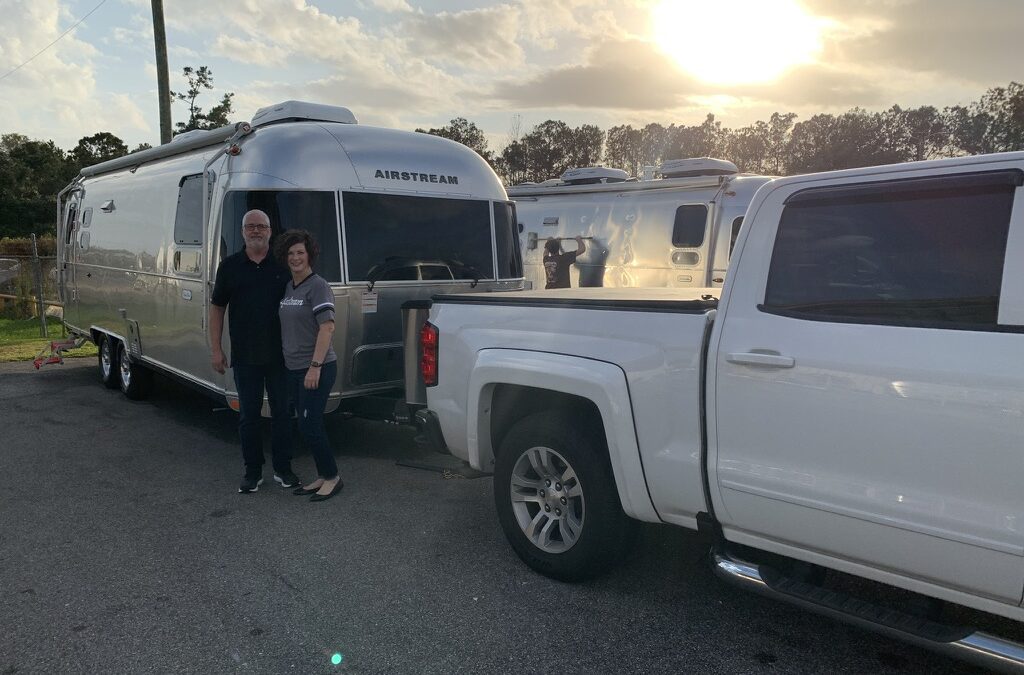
(125, 548)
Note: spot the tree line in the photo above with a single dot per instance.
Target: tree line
(780, 145)
(33, 171)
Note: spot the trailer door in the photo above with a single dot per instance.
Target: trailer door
(68, 242)
(188, 350)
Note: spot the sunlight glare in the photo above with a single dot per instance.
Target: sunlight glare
(750, 42)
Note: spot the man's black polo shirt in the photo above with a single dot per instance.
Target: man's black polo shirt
(251, 292)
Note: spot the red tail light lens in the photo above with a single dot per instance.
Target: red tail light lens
(428, 354)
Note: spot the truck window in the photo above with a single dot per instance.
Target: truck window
(445, 232)
(506, 239)
(909, 253)
(313, 211)
(688, 230)
(188, 219)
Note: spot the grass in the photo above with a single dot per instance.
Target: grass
(20, 340)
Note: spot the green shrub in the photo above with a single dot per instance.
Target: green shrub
(46, 244)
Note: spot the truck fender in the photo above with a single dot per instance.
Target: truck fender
(604, 384)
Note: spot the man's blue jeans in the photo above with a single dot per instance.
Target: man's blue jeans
(309, 408)
(251, 381)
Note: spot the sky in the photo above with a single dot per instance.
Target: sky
(507, 65)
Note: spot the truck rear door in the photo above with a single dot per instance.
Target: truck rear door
(868, 389)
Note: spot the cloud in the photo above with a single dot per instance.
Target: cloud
(978, 41)
(477, 38)
(392, 5)
(627, 75)
(253, 52)
(821, 85)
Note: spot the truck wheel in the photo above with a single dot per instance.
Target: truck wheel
(557, 501)
(135, 379)
(108, 361)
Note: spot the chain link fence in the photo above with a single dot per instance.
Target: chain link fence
(28, 287)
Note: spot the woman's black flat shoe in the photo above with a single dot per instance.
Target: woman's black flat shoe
(304, 491)
(335, 490)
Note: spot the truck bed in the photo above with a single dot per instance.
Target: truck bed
(622, 299)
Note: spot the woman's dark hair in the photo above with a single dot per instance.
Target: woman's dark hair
(552, 247)
(290, 238)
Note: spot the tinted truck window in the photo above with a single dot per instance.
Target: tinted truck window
(916, 253)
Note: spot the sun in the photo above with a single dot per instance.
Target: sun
(749, 41)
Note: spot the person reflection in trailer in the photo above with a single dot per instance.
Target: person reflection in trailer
(556, 263)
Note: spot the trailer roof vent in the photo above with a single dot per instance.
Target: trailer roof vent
(589, 175)
(301, 111)
(697, 166)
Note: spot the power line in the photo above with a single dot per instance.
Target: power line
(76, 24)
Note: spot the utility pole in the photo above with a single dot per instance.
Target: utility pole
(162, 80)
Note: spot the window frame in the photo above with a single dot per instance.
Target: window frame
(339, 225)
(704, 231)
(346, 267)
(871, 191)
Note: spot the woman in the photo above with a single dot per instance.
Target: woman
(307, 329)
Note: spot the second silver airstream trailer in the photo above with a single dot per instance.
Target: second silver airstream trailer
(672, 231)
(399, 216)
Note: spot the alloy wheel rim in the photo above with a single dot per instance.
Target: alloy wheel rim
(547, 499)
(105, 359)
(126, 372)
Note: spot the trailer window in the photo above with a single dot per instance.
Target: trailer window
(688, 230)
(506, 238)
(929, 256)
(734, 235)
(188, 219)
(315, 212)
(393, 231)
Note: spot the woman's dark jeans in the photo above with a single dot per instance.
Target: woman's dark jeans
(309, 408)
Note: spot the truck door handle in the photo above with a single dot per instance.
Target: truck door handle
(761, 359)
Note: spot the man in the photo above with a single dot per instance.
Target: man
(556, 263)
(249, 285)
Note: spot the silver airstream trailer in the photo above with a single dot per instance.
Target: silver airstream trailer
(399, 217)
(672, 231)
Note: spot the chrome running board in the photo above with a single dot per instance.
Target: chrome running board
(962, 643)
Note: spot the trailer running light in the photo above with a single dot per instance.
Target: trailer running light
(428, 354)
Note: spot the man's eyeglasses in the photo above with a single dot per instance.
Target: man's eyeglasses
(256, 226)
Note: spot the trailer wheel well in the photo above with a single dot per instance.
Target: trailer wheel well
(511, 403)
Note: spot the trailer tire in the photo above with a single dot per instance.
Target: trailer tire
(134, 379)
(557, 501)
(108, 363)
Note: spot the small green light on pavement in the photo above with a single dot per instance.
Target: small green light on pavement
(336, 658)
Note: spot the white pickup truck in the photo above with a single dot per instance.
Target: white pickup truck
(854, 401)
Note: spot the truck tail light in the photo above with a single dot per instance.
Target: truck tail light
(428, 354)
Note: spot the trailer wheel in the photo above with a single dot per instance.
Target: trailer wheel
(557, 501)
(108, 352)
(134, 378)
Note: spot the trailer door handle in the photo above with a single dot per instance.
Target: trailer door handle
(763, 359)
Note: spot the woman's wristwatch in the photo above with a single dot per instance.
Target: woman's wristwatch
(315, 364)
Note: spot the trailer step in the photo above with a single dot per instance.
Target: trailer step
(958, 641)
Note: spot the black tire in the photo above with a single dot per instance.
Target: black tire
(134, 379)
(108, 363)
(604, 534)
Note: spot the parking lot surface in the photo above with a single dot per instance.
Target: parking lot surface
(124, 547)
